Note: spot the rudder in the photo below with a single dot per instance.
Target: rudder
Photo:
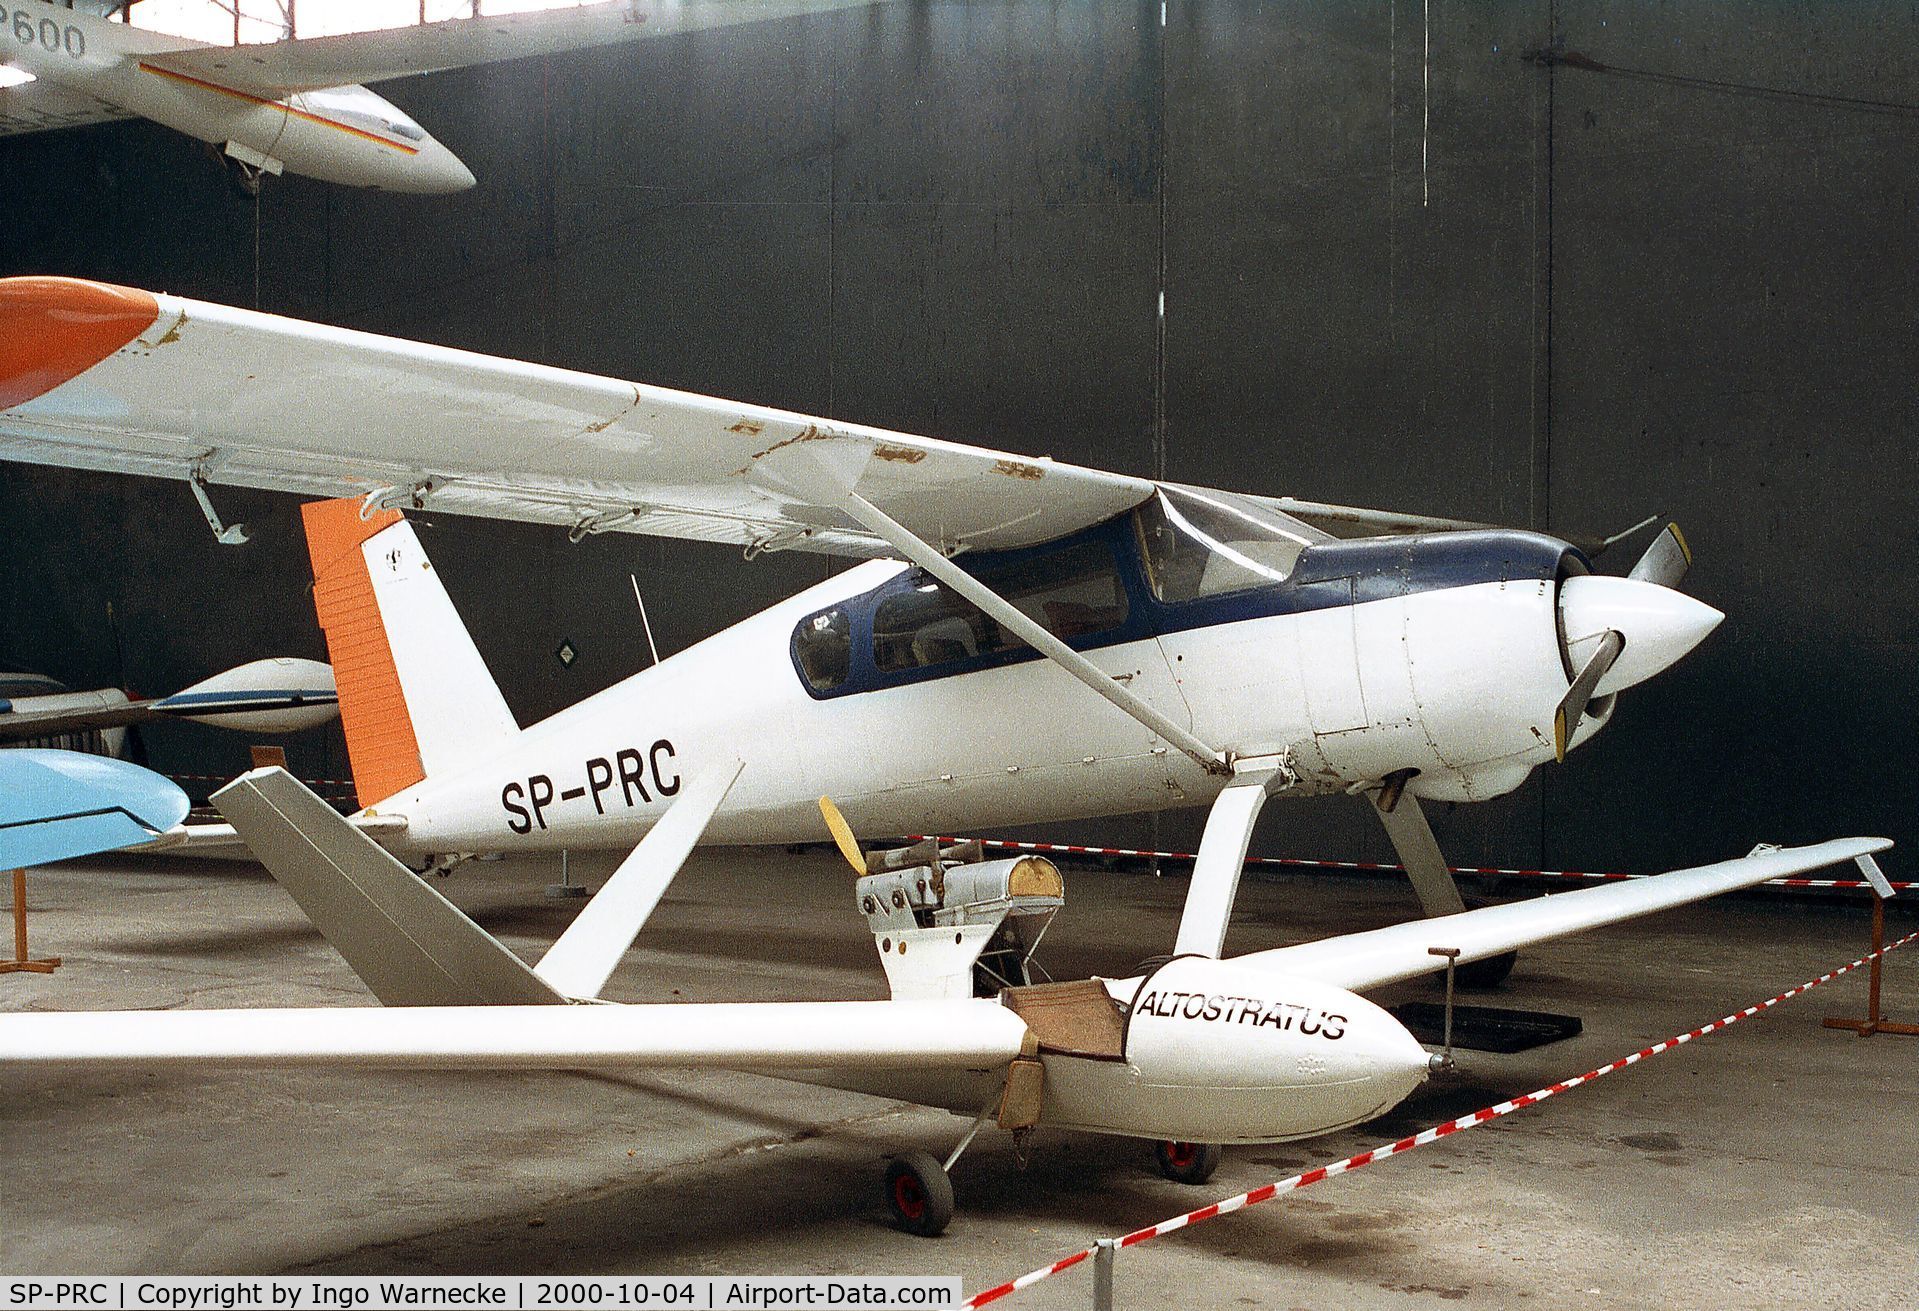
(415, 696)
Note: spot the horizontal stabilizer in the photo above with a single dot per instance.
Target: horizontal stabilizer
(1400, 951)
(580, 961)
(969, 1034)
(412, 946)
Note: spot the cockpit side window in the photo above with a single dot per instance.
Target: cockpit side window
(1071, 592)
(823, 646)
(1211, 544)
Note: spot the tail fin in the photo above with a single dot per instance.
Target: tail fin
(412, 946)
(415, 696)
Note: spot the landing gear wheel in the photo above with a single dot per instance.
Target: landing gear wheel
(919, 1193)
(1187, 1163)
(1488, 973)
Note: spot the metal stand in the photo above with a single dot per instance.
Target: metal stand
(566, 888)
(46, 965)
(1103, 1252)
(1443, 1061)
(1874, 1021)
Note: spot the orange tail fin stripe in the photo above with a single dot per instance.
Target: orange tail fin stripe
(380, 741)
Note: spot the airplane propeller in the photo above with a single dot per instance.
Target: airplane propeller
(1664, 624)
(843, 835)
(1572, 706)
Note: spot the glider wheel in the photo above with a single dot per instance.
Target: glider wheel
(919, 1193)
(1187, 1163)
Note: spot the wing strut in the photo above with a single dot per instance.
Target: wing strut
(928, 557)
(1222, 854)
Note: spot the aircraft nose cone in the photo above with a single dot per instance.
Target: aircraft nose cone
(53, 330)
(1659, 624)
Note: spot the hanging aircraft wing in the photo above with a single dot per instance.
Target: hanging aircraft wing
(40, 106)
(1359, 961)
(277, 68)
(100, 377)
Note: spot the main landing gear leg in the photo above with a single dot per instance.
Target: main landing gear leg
(1432, 880)
(919, 1189)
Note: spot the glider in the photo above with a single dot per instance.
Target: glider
(296, 105)
(1198, 1051)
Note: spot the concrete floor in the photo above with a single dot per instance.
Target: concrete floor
(1767, 1166)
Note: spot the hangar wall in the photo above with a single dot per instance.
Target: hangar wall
(1403, 265)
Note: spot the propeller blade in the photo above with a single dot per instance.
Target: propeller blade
(1666, 560)
(1572, 707)
(843, 835)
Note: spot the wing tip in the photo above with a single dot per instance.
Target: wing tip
(54, 329)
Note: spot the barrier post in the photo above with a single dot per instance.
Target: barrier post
(1875, 1021)
(1103, 1252)
(20, 962)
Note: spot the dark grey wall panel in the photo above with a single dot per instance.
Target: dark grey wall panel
(1402, 266)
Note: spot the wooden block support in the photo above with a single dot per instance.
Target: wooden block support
(1874, 1022)
(45, 965)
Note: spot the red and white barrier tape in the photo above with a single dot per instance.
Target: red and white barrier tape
(1267, 1192)
(1371, 866)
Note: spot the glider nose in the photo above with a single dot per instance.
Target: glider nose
(440, 172)
(1659, 625)
(52, 330)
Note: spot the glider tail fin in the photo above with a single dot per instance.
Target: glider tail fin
(409, 944)
(415, 697)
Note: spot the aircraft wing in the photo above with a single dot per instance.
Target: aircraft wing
(40, 106)
(100, 377)
(56, 805)
(1359, 961)
(211, 839)
(765, 1036)
(280, 67)
(25, 719)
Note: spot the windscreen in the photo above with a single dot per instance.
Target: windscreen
(1205, 543)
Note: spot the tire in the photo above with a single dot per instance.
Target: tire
(1187, 1163)
(919, 1194)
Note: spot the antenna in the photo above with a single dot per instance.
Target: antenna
(644, 621)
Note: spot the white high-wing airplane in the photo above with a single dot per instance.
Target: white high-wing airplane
(295, 105)
(1063, 643)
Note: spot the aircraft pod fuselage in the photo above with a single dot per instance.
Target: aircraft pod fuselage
(1441, 654)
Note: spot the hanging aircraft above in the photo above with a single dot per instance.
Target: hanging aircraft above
(281, 694)
(296, 106)
(1237, 651)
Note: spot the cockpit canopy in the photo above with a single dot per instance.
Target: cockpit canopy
(1111, 583)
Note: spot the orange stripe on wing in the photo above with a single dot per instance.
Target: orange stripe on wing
(252, 99)
(379, 730)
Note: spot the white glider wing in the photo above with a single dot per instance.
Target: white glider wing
(109, 378)
(1402, 951)
(769, 1036)
(279, 67)
(40, 106)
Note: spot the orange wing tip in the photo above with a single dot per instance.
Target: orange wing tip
(52, 330)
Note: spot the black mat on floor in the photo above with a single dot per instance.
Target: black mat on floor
(1485, 1028)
